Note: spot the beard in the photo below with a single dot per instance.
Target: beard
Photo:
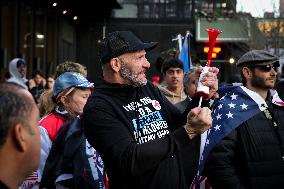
(131, 76)
(260, 83)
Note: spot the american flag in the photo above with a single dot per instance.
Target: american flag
(237, 105)
(33, 176)
(31, 182)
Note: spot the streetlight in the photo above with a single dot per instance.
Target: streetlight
(231, 60)
(39, 38)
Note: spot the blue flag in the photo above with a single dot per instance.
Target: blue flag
(184, 54)
(237, 105)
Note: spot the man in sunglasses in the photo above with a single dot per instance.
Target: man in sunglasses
(252, 155)
(259, 71)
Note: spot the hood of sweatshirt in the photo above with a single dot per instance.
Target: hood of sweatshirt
(16, 76)
(173, 97)
(14, 70)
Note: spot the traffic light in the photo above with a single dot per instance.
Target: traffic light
(215, 51)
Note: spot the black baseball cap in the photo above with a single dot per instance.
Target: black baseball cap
(257, 58)
(121, 42)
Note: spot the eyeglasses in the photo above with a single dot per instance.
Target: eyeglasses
(266, 68)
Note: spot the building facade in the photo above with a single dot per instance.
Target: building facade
(46, 35)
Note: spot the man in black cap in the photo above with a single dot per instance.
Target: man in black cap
(252, 155)
(137, 131)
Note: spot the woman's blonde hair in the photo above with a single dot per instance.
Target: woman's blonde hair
(69, 66)
(46, 102)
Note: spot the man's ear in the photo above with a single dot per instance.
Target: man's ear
(247, 72)
(19, 136)
(115, 64)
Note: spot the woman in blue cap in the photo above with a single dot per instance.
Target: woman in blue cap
(70, 93)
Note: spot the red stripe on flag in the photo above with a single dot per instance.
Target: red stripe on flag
(203, 183)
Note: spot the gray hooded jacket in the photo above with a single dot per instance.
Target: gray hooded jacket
(16, 76)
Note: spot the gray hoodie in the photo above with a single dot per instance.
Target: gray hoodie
(16, 76)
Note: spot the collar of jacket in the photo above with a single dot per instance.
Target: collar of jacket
(115, 87)
(58, 110)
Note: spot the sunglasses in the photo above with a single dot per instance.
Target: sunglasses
(267, 68)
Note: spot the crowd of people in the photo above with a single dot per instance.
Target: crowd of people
(126, 132)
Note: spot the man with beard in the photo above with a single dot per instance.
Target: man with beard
(137, 131)
(252, 155)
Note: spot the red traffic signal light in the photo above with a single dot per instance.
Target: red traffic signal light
(216, 50)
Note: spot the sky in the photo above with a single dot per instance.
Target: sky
(258, 7)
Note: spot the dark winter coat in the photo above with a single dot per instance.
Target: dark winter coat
(251, 156)
(139, 135)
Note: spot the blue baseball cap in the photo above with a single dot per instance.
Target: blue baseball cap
(70, 79)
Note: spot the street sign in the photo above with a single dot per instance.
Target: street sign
(233, 30)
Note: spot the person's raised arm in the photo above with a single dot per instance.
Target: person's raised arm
(115, 142)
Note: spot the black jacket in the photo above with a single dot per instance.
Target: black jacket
(251, 156)
(69, 155)
(139, 135)
(3, 186)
